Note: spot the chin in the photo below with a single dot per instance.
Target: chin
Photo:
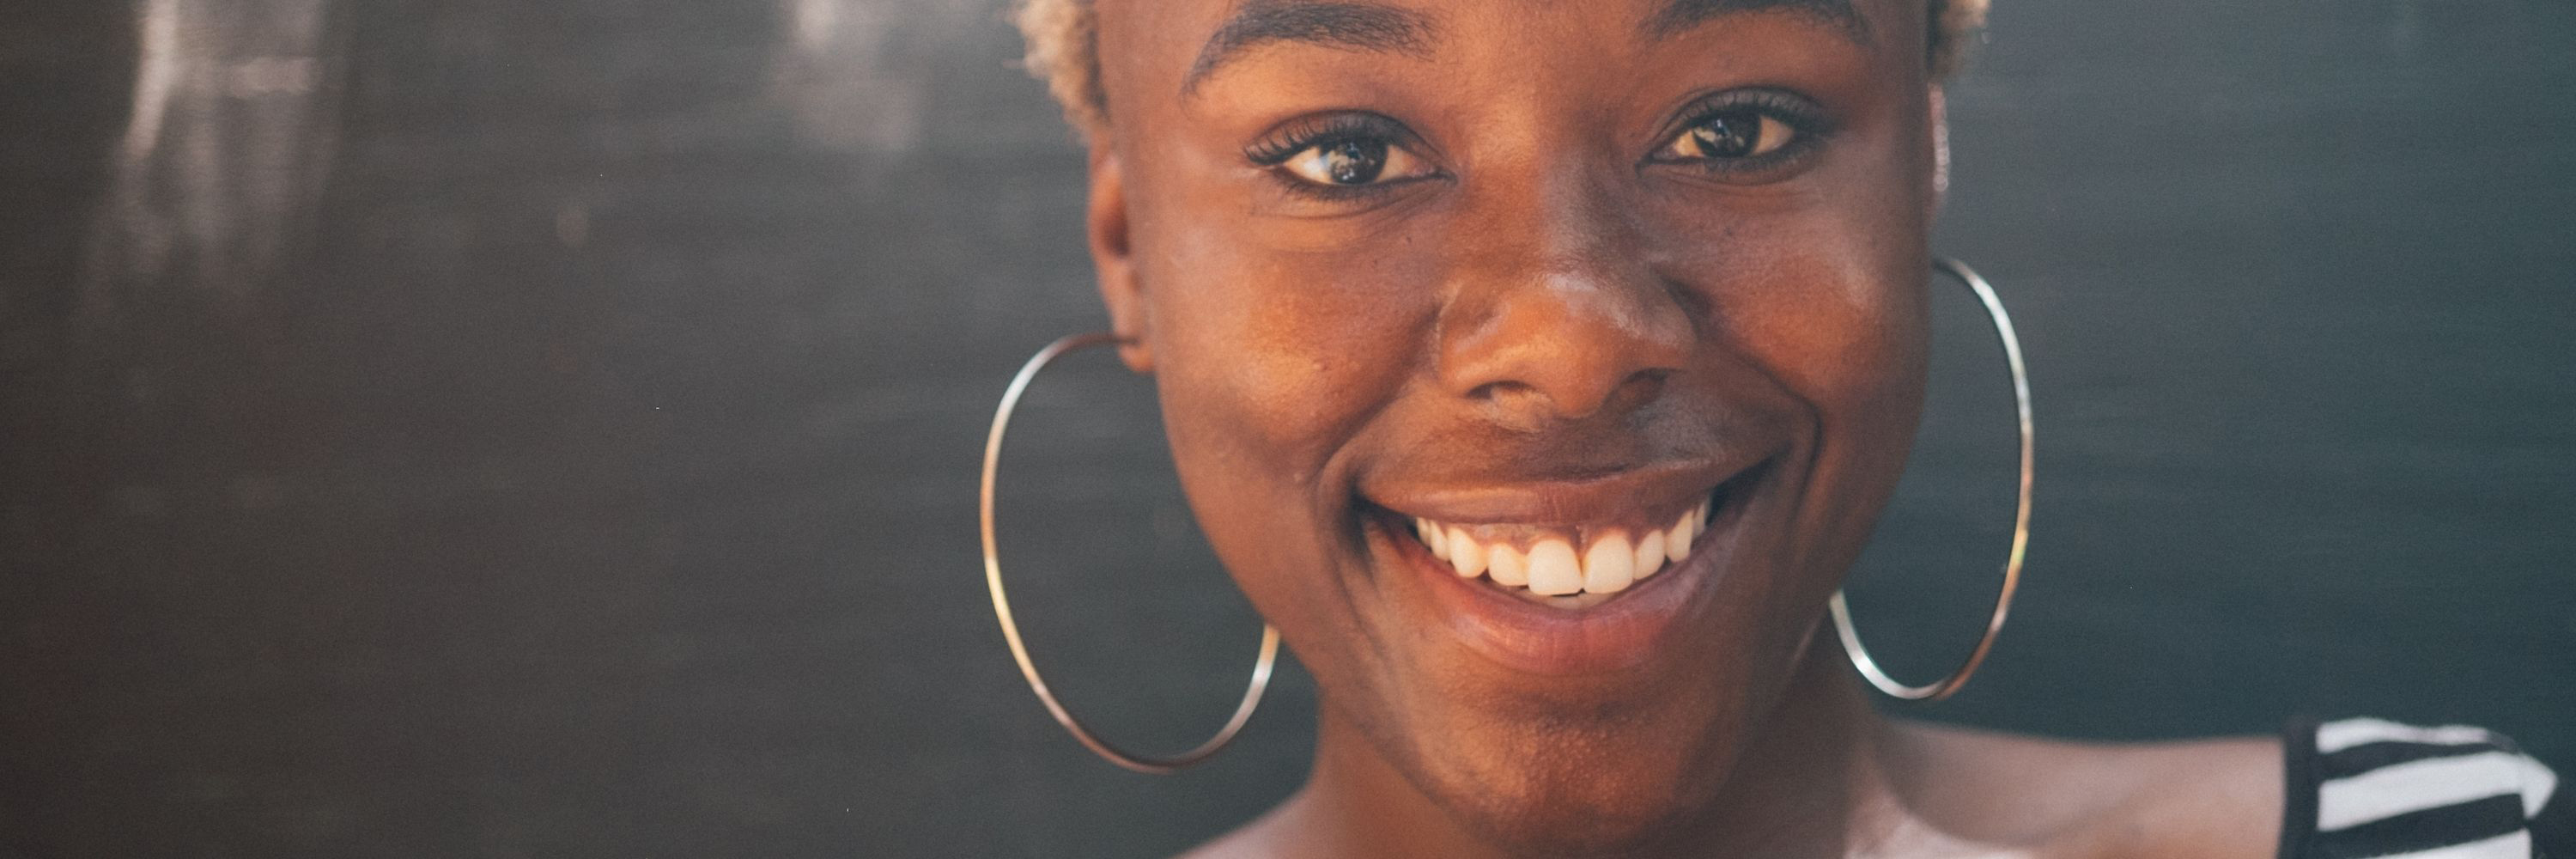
(1583, 802)
(1594, 769)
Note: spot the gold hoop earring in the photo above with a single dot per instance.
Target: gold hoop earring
(1011, 628)
(1942, 688)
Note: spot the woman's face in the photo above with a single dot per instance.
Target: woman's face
(1550, 276)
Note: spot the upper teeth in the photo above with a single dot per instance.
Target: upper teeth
(1548, 561)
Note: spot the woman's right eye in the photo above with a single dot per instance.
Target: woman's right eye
(1349, 162)
(1341, 154)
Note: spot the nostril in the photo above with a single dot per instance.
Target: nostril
(1528, 406)
(1634, 392)
(1641, 388)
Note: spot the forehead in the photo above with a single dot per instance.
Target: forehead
(1217, 33)
(1372, 26)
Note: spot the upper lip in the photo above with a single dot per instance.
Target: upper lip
(1657, 489)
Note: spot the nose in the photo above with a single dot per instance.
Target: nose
(1556, 313)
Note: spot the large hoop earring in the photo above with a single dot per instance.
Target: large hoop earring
(1011, 628)
(1942, 688)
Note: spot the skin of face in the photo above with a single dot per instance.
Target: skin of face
(1541, 307)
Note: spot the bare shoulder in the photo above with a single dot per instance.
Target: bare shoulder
(1265, 837)
(2219, 798)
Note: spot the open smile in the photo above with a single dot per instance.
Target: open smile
(1590, 581)
(1541, 561)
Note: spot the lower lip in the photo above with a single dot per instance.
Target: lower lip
(1621, 633)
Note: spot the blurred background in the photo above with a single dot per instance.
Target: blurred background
(549, 427)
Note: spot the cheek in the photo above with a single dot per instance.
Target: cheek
(1859, 362)
(1846, 333)
(1826, 300)
(1854, 352)
(1268, 365)
(1830, 303)
(1823, 291)
(1285, 352)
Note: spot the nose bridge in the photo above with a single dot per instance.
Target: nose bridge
(1557, 309)
(1577, 225)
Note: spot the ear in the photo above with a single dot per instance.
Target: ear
(1113, 261)
(1940, 130)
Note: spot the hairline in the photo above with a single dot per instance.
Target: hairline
(1363, 25)
(1062, 50)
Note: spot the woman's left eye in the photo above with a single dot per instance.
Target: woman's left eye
(1731, 134)
(1351, 162)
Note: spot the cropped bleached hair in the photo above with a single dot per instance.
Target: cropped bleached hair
(1063, 51)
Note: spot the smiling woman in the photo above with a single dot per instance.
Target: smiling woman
(1539, 370)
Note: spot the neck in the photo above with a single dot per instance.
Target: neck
(1811, 780)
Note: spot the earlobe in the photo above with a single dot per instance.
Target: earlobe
(1113, 262)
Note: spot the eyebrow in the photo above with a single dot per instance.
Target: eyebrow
(1336, 23)
(1681, 15)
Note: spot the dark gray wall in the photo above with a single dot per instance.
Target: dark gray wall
(548, 428)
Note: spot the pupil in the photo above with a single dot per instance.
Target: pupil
(1354, 162)
(1729, 135)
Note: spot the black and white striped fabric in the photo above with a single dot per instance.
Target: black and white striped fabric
(2362, 788)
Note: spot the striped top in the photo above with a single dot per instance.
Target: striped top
(2363, 788)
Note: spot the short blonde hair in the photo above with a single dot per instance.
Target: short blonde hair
(1063, 50)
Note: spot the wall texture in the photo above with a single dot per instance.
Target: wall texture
(548, 428)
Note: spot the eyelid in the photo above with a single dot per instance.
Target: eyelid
(1289, 140)
(1286, 139)
(1801, 114)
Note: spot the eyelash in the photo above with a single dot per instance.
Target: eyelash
(1272, 151)
(1802, 116)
